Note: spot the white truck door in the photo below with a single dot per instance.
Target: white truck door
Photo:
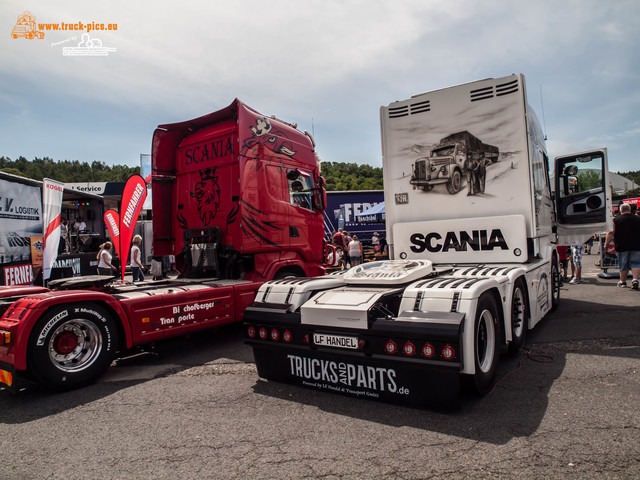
(582, 195)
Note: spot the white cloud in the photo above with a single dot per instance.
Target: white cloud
(335, 61)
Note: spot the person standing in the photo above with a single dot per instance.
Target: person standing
(64, 235)
(104, 259)
(576, 252)
(626, 238)
(79, 225)
(355, 251)
(137, 268)
(563, 257)
(339, 239)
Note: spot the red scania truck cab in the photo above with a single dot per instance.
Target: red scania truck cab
(237, 198)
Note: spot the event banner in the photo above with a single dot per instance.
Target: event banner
(20, 218)
(121, 227)
(52, 192)
(133, 196)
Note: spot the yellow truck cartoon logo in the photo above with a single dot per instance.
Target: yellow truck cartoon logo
(26, 27)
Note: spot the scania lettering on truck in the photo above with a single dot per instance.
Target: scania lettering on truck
(237, 198)
(469, 275)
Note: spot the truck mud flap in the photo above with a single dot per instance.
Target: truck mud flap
(403, 383)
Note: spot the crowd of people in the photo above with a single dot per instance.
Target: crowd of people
(625, 237)
(348, 251)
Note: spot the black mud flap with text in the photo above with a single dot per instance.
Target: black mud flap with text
(408, 383)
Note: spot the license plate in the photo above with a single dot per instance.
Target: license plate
(339, 341)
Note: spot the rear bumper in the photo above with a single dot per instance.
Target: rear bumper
(10, 379)
(368, 371)
(404, 383)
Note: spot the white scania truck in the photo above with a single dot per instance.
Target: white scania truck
(471, 272)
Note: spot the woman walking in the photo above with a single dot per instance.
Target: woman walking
(355, 251)
(104, 260)
(136, 266)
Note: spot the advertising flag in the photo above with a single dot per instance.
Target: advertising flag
(112, 220)
(51, 219)
(133, 196)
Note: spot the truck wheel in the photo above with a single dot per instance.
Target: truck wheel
(519, 316)
(71, 346)
(486, 347)
(555, 284)
(455, 183)
(288, 273)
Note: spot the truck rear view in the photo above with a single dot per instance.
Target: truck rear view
(472, 269)
(237, 195)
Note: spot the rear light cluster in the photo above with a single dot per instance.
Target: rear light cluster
(425, 350)
(267, 333)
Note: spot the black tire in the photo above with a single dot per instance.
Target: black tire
(455, 183)
(71, 346)
(519, 316)
(288, 273)
(555, 283)
(486, 346)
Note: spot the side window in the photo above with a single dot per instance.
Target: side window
(580, 188)
(580, 175)
(540, 173)
(301, 187)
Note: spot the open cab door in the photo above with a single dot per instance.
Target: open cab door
(582, 195)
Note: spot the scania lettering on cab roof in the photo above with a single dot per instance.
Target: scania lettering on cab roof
(472, 269)
(237, 198)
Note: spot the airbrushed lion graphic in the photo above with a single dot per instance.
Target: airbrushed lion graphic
(207, 192)
(265, 143)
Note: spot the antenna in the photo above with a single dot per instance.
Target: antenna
(544, 123)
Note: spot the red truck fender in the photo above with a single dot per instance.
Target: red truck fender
(30, 309)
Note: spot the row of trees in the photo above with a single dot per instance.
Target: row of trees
(351, 176)
(67, 171)
(339, 176)
(635, 176)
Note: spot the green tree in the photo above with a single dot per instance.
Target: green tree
(66, 171)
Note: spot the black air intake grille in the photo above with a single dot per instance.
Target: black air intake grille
(497, 91)
(420, 107)
(397, 112)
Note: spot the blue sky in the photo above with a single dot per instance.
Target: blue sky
(327, 65)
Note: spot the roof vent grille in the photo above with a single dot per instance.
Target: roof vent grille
(420, 107)
(507, 88)
(397, 112)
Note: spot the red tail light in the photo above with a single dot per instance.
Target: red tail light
(251, 332)
(275, 335)
(428, 351)
(391, 347)
(306, 339)
(286, 336)
(448, 352)
(262, 333)
(409, 349)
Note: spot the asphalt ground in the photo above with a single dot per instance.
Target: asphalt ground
(566, 406)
